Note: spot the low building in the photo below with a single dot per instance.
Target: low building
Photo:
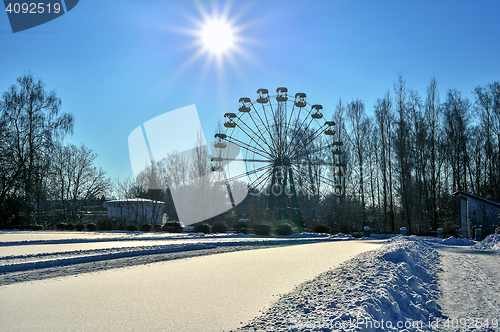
(136, 211)
(477, 212)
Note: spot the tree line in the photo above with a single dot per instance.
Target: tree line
(406, 160)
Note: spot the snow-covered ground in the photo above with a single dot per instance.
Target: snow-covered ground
(204, 293)
(470, 287)
(26, 255)
(408, 284)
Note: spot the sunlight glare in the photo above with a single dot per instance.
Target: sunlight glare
(217, 36)
(217, 41)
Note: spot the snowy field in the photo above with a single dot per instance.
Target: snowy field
(28, 255)
(307, 282)
(209, 284)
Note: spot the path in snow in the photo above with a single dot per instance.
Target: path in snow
(470, 286)
(208, 293)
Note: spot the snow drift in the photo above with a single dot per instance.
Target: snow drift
(492, 242)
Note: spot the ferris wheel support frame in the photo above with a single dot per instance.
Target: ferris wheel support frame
(284, 168)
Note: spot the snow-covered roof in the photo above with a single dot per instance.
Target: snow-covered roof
(131, 200)
(483, 200)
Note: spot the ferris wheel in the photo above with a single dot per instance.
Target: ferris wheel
(291, 154)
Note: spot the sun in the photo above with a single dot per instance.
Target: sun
(217, 36)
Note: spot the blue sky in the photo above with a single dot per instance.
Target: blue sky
(118, 63)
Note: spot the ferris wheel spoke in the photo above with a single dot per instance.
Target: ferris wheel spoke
(266, 173)
(248, 147)
(258, 132)
(296, 141)
(242, 175)
(261, 178)
(255, 134)
(310, 177)
(319, 180)
(296, 129)
(239, 159)
(289, 123)
(304, 175)
(327, 180)
(305, 128)
(286, 126)
(276, 128)
(297, 156)
(300, 175)
(326, 163)
(319, 131)
(260, 169)
(313, 138)
(265, 125)
(303, 131)
(282, 113)
(272, 139)
(330, 184)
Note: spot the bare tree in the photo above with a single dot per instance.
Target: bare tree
(151, 184)
(373, 156)
(359, 125)
(488, 106)
(419, 161)
(432, 116)
(403, 149)
(457, 119)
(31, 125)
(123, 188)
(76, 179)
(383, 115)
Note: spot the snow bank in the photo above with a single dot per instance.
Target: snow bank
(492, 242)
(449, 241)
(382, 236)
(393, 288)
(321, 235)
(452, 241)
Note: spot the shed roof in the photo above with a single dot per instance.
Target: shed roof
(482, 200)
